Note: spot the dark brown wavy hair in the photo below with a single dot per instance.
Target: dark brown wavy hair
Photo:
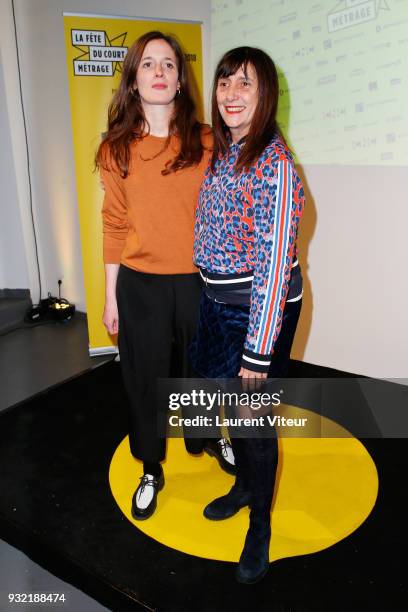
(127, 121)
(263, 124)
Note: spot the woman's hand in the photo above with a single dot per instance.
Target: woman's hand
(111, 317)
(251, 380)
(244, 373)
(110, 313)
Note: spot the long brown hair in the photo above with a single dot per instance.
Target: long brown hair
(127, 121)
(263, 124)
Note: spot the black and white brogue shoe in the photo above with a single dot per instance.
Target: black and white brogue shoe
(222, 451)
(144, 499)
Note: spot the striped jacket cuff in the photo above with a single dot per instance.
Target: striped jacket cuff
(255, 361)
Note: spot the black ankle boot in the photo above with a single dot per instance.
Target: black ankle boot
(254, 561)
(226, 506)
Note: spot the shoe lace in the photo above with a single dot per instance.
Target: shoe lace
(225, 445)
(145, 481)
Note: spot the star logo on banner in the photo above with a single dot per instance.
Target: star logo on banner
(115, 42)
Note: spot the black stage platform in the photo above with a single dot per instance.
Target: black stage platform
(56, 506)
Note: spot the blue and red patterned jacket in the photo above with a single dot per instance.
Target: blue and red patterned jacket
(245, 240)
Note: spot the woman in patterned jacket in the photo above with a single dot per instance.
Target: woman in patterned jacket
(249, 207)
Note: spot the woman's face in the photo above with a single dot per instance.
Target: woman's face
(157, 76)
(237, 99)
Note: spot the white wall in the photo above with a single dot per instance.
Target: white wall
(13, 266)
(353, 255)
(45, 90)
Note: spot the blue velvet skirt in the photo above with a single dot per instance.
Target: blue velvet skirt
(216, 350)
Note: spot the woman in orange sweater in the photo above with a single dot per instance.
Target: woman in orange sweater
(152, 163)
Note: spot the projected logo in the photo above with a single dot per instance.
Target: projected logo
(349, 13)
(342, 88)
(99, 54)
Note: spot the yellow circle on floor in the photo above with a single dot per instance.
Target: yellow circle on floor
(326, 488)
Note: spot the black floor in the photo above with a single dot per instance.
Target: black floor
(34, 358)
(56, 506)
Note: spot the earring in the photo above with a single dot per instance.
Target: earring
(178, 92)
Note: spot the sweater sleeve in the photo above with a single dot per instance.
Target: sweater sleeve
(114, 215)
(275, 228)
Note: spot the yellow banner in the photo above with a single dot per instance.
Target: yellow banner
(96, 48)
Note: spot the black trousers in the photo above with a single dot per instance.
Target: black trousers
(157, 321)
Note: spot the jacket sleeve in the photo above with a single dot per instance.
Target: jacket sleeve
(114, 215)
(276, 217)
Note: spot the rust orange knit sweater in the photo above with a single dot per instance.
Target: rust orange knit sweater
(148, 218)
